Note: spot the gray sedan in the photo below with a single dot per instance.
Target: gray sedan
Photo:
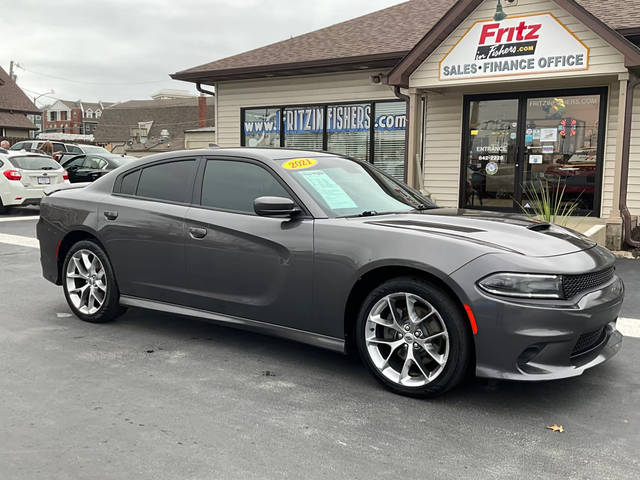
(330, 251)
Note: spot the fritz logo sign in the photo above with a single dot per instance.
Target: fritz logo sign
(515, 46)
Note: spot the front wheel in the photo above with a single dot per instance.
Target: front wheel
(89, 283)
(413, 338)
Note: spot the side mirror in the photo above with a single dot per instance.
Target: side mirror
(275, 207)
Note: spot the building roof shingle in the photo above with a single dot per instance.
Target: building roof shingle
(16, 120)
(389, 33)
(174, 115)
(12, 98)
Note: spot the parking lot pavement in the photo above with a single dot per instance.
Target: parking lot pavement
(154, 396)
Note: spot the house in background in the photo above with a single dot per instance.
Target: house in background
(143, 127)
(14, 108)
(73, 117)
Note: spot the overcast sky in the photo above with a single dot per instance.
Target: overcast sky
(124, 49)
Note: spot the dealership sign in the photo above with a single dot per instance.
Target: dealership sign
(515, 46)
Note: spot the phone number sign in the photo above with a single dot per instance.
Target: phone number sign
(520, 45)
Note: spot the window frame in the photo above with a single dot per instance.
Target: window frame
(117, 184)
(199, 182)
(324, 106)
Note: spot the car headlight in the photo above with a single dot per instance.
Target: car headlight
(524, 285)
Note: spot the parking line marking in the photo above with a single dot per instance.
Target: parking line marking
(19, 219)
(19, 240)
(629, 327)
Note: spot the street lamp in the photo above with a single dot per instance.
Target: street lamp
(42, 115)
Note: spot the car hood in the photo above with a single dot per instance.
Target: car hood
(503, 231)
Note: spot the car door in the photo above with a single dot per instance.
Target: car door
(242, 264)
(91, 169)
(72, 166)
(143, 228)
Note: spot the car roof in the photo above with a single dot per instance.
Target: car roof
(266, 153)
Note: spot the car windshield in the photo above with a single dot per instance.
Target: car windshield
(346, 188)
(34, 163)
(94, 149)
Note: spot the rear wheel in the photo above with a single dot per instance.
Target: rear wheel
(89, 283)
(413, 338)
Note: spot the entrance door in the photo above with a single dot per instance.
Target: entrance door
(520, 146)
(491, 161)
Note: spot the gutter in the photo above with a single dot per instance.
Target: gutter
(634, 81)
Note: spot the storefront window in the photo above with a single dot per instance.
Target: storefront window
(262, 127)
(561, 142)
(345, 129)
(348, 130)
(303, 127)
(389, 137)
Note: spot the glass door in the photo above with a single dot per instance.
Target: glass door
(562, 153)
(517, 147)
(490, 164)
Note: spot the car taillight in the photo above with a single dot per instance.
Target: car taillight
(65, 175)
(12, 174)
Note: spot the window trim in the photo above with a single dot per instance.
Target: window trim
(324, 105)
(199, 182)
(117, 184)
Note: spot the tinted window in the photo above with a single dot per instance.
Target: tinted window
(95, 162)
(234, 186)
(59, 147)
(21, 145)
(75, 162)
(73, 149)
(130, 183)
(167, 181)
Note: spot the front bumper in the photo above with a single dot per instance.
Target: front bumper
(520, 339)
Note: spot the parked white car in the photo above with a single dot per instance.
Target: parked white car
(24, 176)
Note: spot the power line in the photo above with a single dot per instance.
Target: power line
(88, 82)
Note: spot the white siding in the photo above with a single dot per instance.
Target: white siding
(633, 190)
(610, 145)
(442, 147)
(603, 58)
(302, 90)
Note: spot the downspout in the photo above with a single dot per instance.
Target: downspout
(634, 81)
(402, 96)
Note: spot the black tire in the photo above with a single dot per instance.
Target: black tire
(110, 308)
(460, 346)
(3, 209)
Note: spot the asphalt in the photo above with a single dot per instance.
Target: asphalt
(155, 396)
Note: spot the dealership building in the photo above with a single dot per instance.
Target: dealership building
(478, 102)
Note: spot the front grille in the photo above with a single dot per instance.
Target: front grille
(587, 341)
(574, 284)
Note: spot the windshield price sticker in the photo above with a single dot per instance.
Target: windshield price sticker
(298, 163)
(329, 190)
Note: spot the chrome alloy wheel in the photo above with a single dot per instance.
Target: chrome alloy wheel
(86, 282)
(406, 339)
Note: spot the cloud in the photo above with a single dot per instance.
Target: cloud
(110, 46)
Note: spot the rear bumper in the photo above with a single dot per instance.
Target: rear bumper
(49, 238)
(14, 196)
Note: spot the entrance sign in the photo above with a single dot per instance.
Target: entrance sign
(529, 44)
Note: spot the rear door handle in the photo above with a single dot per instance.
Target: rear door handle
(197, 233)
(110, 215)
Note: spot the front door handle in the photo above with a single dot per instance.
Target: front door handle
(197, 233)
(110, 215)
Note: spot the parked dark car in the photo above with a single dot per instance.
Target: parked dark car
(89, 167)
(330, 251)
